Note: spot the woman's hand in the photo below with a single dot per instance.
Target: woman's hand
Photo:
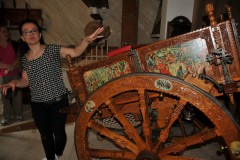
(95, 35)
(6, 71)
(80, 49)
(5, 87)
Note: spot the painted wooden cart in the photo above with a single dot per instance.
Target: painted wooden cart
(142, 100)
(156, 101)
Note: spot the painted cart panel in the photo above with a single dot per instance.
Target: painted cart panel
(177, 56)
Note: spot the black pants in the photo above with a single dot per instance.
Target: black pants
(51, 125)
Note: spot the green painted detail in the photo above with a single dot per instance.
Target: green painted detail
(97, 77)
(136, 60)
(163, 84)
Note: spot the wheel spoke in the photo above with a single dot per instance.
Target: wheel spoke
(128, 127)
(182, 144)
(165, 108)
(146, 122)
(117, 139)
(165, 132)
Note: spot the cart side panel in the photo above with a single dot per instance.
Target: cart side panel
(177, 56)
(181, 55)
(178, 60)
(96, 74)
(184, 54)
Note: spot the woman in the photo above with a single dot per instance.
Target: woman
(9, 70)
(42, 73)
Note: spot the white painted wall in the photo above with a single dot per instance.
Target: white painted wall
(172, 9)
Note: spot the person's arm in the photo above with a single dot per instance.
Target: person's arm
(23, 81)
(9, 68)
(80, 48)
(4, 66)
(20, 83)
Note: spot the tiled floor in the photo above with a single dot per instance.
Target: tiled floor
(26, 145)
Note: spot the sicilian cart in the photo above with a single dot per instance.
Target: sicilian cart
(143, 100)
(137, 98)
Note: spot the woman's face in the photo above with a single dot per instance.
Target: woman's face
(30, 33)
(4, 34)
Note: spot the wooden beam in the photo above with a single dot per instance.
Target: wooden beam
(129, 22)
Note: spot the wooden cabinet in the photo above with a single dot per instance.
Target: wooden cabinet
(13, 16)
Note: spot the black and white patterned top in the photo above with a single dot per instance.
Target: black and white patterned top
(45, 75)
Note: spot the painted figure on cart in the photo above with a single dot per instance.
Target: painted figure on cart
(180, 60)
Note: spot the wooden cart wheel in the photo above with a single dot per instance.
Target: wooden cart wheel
(155, 102)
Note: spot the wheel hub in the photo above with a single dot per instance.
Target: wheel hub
(145, 155)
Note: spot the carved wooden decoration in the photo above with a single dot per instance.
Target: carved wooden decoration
(130, 143)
